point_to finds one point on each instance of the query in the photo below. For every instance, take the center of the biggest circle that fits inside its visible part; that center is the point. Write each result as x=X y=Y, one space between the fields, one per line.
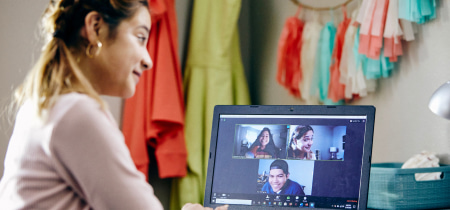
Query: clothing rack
x=297 y=2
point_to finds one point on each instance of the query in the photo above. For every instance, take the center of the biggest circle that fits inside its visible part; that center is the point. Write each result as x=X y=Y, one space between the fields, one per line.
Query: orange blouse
x=154 y=116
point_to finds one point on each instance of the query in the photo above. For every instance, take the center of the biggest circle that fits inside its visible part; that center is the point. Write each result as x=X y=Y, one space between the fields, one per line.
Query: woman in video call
x=263 y=146
x=301 y=143
x=66 y=150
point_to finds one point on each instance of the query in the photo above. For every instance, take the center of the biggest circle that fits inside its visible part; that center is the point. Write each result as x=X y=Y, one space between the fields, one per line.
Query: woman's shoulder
x=76 y=105
x=79 y=115
x=76 y=100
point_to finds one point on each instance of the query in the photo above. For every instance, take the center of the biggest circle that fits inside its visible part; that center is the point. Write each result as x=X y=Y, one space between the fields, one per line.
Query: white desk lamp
x=440 y=101
x=440 y=105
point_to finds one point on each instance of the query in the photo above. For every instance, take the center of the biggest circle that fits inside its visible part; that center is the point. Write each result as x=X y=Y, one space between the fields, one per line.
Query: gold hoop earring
x=67 y=82
x=89 y=48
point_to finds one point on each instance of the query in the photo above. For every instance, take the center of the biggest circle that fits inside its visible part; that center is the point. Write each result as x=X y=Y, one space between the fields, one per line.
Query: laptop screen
x=265 y=160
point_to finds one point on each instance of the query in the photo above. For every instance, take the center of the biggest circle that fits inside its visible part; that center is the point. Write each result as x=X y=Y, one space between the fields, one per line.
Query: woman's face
x=123 y=59
x=264 y=139
x=304 y=144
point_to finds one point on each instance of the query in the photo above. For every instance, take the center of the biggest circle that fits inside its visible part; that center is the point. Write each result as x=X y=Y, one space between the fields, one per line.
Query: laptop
x=290 y=157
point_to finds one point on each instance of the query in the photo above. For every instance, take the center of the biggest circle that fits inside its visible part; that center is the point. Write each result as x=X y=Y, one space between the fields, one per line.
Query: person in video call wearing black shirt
x=279 y=182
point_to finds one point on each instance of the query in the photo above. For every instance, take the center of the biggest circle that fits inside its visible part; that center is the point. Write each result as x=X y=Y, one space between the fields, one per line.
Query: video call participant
x=279 y=182
x=263 y=146
x=301 y=143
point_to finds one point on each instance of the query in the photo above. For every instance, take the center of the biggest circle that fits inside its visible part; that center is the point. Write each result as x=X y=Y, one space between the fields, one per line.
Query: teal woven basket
x=391 y=187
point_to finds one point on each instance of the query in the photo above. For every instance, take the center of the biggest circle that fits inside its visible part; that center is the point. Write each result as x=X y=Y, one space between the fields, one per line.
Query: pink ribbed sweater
x=76 y=159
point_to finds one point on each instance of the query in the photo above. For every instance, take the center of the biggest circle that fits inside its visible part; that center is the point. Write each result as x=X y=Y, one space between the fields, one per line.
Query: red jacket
x=155 y=114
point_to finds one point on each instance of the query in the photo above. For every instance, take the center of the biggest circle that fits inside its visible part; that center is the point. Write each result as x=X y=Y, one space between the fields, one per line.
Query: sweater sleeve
x=91 y=156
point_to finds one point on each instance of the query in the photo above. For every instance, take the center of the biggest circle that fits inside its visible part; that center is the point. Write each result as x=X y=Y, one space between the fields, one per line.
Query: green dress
x=214 y=75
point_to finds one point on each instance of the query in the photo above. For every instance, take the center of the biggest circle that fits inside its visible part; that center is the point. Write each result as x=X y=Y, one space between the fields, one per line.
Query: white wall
x=19 y=47
x=404 y=126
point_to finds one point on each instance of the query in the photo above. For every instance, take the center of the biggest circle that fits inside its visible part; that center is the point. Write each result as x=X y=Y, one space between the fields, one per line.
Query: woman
x=264 y=146
x=301 y=143
x=66 y=151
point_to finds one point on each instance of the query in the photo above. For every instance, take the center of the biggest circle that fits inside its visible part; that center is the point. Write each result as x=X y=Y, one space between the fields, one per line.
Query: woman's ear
x=93 y=22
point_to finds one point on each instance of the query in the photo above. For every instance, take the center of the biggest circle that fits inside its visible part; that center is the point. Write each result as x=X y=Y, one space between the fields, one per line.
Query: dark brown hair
x=66 y=17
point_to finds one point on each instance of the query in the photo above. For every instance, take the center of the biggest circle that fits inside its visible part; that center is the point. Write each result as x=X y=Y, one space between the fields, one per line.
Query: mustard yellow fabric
x=214 y=75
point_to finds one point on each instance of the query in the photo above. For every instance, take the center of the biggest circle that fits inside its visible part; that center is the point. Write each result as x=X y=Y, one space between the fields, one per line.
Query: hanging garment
x=150 y=117
x=418 y=11
x=289 y=73
x=213 y=75
x=310 y=40
x=321 y=76
x=336 y=90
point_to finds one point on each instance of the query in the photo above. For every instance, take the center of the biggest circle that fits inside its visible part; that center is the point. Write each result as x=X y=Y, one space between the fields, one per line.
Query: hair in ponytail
x=56 y=72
